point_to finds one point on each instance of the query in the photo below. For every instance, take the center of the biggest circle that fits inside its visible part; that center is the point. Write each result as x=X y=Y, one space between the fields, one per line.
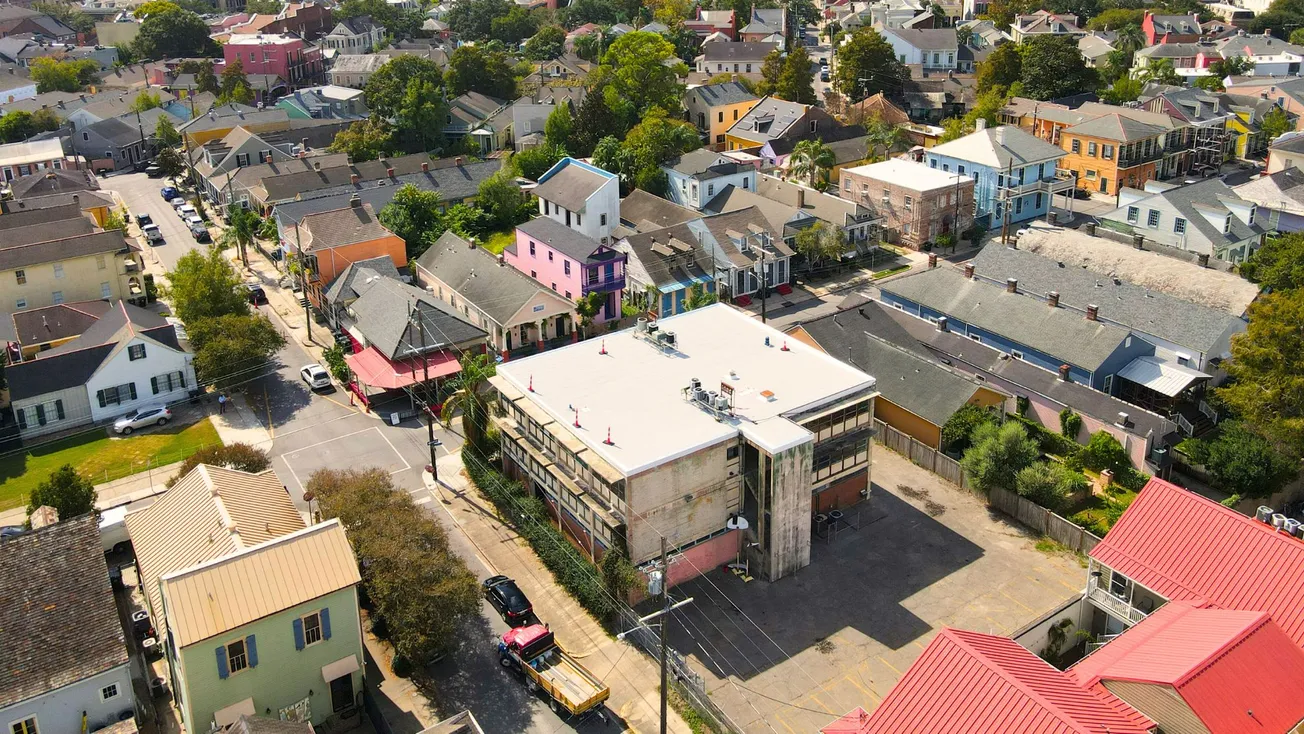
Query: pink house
x=289 y=57
x=570 y=263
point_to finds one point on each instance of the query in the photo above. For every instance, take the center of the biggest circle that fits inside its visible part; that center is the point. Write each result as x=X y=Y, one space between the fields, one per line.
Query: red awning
x=373 y=369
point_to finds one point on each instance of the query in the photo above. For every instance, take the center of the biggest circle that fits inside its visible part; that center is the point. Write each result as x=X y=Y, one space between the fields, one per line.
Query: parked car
x=142 y=219
x=185 y=211
x=152 y=233
x=824 y=75
x=257 y=296
x=140 y=418
x=11 y=531
x=503 y=594
x=200 y=233
x=153 y=171
x=316 y=376
x=193 y=220
x=177 y=202
x=169 y=193
x=1081 y=194
x=824 y=61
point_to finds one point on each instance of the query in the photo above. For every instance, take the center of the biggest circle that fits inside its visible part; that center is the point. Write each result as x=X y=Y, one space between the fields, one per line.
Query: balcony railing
x=1129 y=161
x=605 y=285
x=1062 y=181
x=1116 y=606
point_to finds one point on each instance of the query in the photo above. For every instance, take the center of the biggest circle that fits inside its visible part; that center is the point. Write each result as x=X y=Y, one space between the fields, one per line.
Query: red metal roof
x=373 y=369
x=852 y=722
x=971 y=682
x=1185 y=547
x=1223 y=663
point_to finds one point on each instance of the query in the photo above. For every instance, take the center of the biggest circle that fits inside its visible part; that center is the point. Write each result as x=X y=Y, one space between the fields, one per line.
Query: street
x=141 y=194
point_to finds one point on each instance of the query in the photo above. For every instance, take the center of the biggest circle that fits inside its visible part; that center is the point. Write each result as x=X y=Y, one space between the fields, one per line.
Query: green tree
x=640 y=71
x=364 y=140
x=959 y=428
x=242 y=226
x=387 y=88
x=68 y=492
x=413 y=215
x=227 y=347
x=884 y=138
x=1279 y=264
x=796 y=83
x=51 y=75
x=234 y=85
x=547 y=44
x=1242 y=462
x=1221 y=69
x=1296 y=36
x=1115 y=19
x=19 y=125
x=1267 y=369
x=688 y=45
x=472 y=20
x=68 y=14
x=579 y=12
x=147 y=101
x=987 y=107
x=173 y=32
x=867 y=65
x=153 y=7
x=115 y=220
x=421 y=117
x=166 y=133
x=1124 y=89
x=471 y=398
x=557 y=129
x=1050 y=484
x=953 y=128
x=1160 y=71
x=419 y=587
x=820 y=242
x=473 y=69
x=699 y=296
x=517 y=25
x=263 y=7
x=503 y=202
x=771 y=69
x=170 y=162
x=237 y=456
x=998 y=454
x=203 y=285
x=811 y=160
x=590 y=47
x=1002 y=68
x=593 y=121
x=466 y=221
x=532 y=163
x=1003 y=12
x=1102 y=452
x=1274 y=124
x=205 y=79
x=1053 y=67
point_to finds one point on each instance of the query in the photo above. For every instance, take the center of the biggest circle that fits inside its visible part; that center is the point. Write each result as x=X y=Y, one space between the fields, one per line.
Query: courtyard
x=792 y=655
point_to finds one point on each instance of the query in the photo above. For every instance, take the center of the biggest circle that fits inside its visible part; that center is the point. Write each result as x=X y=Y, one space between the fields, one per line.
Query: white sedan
x=316 y=376
x=141 y=418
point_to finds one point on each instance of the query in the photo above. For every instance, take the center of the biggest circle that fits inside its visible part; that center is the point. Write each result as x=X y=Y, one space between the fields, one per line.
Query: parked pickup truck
x=533 y=651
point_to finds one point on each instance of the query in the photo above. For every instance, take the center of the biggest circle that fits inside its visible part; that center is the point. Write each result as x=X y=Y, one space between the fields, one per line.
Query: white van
x=113 y=529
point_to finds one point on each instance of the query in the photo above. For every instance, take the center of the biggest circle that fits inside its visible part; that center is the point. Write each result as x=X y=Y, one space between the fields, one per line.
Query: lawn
x=498 y=241
x=99 y=457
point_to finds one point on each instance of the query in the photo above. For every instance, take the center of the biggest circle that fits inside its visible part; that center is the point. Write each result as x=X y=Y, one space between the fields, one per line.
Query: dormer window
x=1227 y=224
x=1253 y=209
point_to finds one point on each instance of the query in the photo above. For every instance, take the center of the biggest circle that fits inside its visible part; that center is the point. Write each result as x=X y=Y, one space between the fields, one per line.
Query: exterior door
x=1104 y=186
x=342 y=693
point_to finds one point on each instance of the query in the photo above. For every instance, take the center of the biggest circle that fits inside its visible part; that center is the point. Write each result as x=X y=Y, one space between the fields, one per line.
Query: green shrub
x=1070 y=424
x=1048 y=441
x=997 y=455
x=958 y=429
x=1050 y=485
x=1103 y=452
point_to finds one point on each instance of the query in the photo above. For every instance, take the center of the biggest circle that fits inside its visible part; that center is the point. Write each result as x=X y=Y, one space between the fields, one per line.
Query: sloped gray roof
x=52 y=323
x=561 y=238
x=342 y=287
x=61 y=249
x=1209 y=193
x=1116 y=127
x=737 y=50
x=1058 y=332
x=769 y=119
x=664 y=269
x=1181 y=322
x=640 y=209
x=722 y=94
x=454 y=183
x=347 y=226
x=475 y=274
x=571 y=186
x=383 y=313
x=926 y=39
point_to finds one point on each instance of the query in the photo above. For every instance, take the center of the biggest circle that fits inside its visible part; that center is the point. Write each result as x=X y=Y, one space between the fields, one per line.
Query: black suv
x=507 y=598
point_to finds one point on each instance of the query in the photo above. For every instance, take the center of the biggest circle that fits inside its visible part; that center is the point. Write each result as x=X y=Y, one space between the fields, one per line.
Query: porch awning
x=373 y=369
x=1165 y=378
x=229 y=715
x=340 y=668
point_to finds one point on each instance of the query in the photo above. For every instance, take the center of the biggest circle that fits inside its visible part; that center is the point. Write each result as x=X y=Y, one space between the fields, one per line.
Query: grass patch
x=499 y=241
x=1098 y=513
x=891 y=271
x=697 y=722
x=1052 y=547
x=100 y=458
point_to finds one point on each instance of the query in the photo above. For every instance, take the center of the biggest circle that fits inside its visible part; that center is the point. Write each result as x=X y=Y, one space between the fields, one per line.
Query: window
x=109 y=691
x=1038 y=201
x=721 y=118
x=1077 y=145
x=100 y=264
x=21 y=303
x=86 y=136
x=135 y=352
x=531 y=249
x=56 y=296
x=168 y=382
x=1118 y=584
x=1091 y=149
x=577 y=219
x=1227 y=224
x=1179 y=225
x=933 y=163
x=1016 y=354
x=710 y=189
x=910 y=200
x=58 y=270
x=568 y=295
x=1253 y=209
x=312 y=629
x=602 y=220
x=549 y=255
x=1107 y=152
x=1091 y=173
x=26 y=726
x=814 y=125
x=1133 y=215
x=959 y=170
x=1152 y=218
x=21 y=275
x=237 y=658
x=976 y=338
x=534 y=274
x=735 y=114
x=554 y=286
x=116 y=395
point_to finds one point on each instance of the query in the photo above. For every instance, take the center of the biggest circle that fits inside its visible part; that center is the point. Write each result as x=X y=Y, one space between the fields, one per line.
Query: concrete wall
x=1035 y=636
x=60 y=711
x=283 y=675
x=657 y=502
x=789 y=542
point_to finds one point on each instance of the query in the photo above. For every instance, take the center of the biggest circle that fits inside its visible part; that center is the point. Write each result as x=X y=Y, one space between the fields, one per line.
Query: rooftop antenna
x=609 y=441
x=531 y=385
x=603 y=350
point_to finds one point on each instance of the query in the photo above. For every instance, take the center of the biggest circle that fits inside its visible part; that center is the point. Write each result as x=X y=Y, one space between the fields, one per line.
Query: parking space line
x=425 y=500
x=863 y=689
x=347 y=435
x=294 y=474
x=406 y=465
x=1016 y=601
x=884 y=661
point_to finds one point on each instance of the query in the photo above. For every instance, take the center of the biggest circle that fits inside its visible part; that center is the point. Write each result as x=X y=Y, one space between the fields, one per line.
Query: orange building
x=333 y=240
x=1110 y=146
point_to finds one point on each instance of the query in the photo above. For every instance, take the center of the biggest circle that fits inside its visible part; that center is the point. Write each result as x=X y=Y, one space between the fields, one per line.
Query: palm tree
x=240 y=231
x=1130 y=39
x=470 y=398
x=811 y=159
x=883 y=135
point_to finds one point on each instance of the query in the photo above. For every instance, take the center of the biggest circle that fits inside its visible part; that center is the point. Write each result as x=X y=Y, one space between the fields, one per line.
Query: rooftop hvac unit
x=651 y=327
x=722 y=402
x=1299 y=531
x=1292 y=526
x=694 y=383
x=699 y=394
x=1263 y=514
x=670 y=338
x=712 y=397
x=1278 y=520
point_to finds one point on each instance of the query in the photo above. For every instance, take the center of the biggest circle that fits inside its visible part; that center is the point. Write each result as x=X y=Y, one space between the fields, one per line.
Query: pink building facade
x=288 y=57
x=569 y=263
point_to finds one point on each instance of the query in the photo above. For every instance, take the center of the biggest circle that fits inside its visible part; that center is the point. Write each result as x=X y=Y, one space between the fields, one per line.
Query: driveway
x=793 y=655
x=141 y=194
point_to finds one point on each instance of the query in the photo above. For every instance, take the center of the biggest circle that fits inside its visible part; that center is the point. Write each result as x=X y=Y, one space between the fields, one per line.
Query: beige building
x=47 y=263
x=917 y=203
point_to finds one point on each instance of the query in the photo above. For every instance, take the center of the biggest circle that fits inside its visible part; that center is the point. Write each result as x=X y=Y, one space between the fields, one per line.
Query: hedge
x=1050 y=442
x=531 y=520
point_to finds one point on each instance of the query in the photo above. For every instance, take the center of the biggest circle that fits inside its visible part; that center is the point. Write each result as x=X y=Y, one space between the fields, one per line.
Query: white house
x=125 y=359
x=936 y=49
x=695 y=178
x=581 y=196
x=354 y=36
x=1271 y=56
x=1206 y=218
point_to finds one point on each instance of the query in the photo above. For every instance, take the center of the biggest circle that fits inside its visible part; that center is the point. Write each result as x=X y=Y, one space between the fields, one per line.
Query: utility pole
x=303 y=283
x=429 y=404
x=665 y=627
x=1005 y=205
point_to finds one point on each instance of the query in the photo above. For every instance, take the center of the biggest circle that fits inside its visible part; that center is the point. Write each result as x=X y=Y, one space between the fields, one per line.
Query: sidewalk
x=635 y=680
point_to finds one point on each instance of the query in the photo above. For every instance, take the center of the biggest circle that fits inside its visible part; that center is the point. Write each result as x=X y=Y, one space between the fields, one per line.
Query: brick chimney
x=354 y=178
x=968 y=271
x=1092 y=312
x=1052 y=299
x=801 y=198
x=389 y=172
x=44 y=516
x=1011 y=285
x=942 y=324
x=459 y=161
x=932 y=260
x=425 y=166
x=1064 y=372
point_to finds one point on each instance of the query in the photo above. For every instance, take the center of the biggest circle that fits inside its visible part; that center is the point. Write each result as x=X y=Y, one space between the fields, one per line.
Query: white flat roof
x=635 y=389
x=909 y=174
x=37 y=151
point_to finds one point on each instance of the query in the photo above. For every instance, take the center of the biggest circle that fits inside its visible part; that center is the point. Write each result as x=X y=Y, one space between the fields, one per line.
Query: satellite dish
x=736 y=522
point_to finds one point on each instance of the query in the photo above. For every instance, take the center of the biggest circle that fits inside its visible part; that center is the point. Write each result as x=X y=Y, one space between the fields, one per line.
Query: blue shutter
x=58 y=408
x=298 y=633
x=222 y=671
x=251 y=649
x=325 y=624
x=99 y=394
x=22 y=418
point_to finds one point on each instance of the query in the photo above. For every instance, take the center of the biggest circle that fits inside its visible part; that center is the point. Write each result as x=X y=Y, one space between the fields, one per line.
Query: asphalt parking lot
x=795 y=654
x=368 y=447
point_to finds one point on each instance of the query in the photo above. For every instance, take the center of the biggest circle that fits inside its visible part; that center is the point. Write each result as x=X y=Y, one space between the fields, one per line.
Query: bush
x=1070 y=424
x=958 y=429
x=997 y=455
x=1241 y=462
x=1099 y=521
x=530 y=518
x=238 y=456
x=1050 y=485
x=334 y=358
x=1103 y=452
x=1048 y=441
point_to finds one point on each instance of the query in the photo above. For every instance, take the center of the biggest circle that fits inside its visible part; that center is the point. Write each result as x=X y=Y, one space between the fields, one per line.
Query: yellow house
x=1244 y=125
x=917 y=395
x=714 y=108
x=65 y=262
x=221 y=120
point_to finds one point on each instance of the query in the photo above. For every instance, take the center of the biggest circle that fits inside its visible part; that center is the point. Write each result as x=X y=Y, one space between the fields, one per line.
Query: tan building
x=49 y=263
x=714 y=108
x=916 y=203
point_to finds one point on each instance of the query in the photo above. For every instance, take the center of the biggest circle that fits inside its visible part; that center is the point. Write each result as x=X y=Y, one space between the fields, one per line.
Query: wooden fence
x=1040 y=519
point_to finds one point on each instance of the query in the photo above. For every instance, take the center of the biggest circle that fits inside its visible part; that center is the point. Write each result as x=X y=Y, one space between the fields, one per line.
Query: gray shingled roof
x=58 y=622
x=722 y=94
x=1062 y=334
x=383 y=314
x=46 y=231
x=454 y=183
x=52 y=181
x=561 y=238
x=769 y=119
x=1116 y=127
x=342 y=287
x=640 y=209
x=62 y=249
x=1181 y=322
x=737 y=51
x=570 y=187
x=347 y=226
x=475 y=274
x=920 y=385
x=52 y=323
x=663 y=269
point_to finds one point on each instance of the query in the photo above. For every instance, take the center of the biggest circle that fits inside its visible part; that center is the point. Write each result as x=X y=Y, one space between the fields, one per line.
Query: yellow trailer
x=535 y=653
